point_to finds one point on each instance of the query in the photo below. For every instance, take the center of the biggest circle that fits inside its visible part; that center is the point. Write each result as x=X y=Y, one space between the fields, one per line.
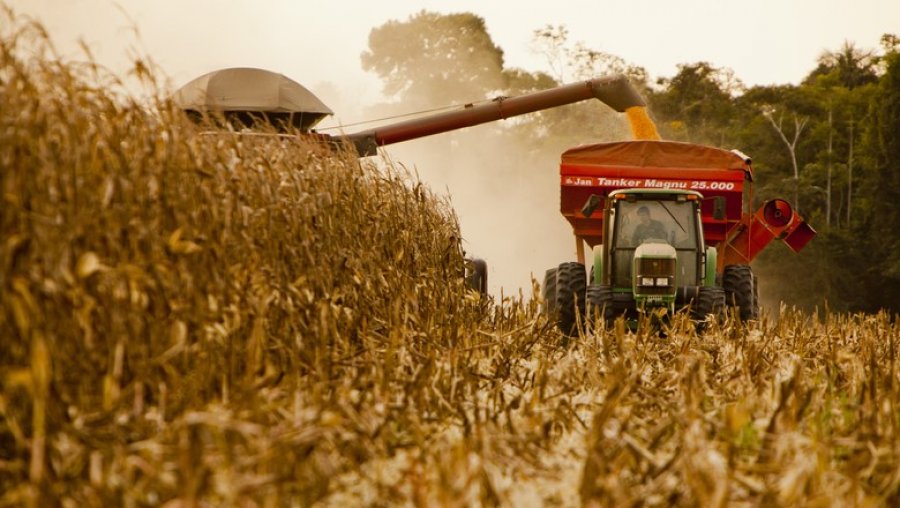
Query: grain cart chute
x=614 y=91
x=670 y=224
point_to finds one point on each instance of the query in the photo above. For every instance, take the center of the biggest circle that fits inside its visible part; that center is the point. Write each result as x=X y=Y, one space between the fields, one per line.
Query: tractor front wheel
x=563 y=293
x=740 y=291
x=570 y=291
x=599 y=300
x=709 y=301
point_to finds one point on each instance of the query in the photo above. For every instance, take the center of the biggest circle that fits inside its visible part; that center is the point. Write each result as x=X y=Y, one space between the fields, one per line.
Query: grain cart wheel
x=599 y=300
x=570 y=293
x=756 y=294
x=548 y=292
x=738 y=282
x=709 y=301
x=477 y=275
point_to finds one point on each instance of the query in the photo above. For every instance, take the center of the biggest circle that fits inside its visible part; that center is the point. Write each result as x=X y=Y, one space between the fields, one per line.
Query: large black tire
x=710 y=301
x=740 y=291
x=756 y=294
x=548 y=292
x=477 y=275
x=599 y=299
x=570 y=296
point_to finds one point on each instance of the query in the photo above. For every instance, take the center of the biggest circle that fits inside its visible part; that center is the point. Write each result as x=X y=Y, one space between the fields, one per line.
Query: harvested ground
x=195 y=319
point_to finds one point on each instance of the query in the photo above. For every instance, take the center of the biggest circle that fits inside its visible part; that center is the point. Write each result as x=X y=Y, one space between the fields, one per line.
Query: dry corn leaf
x=736 y=416
x=19 y=378
x=88 y=264
x=178 y=246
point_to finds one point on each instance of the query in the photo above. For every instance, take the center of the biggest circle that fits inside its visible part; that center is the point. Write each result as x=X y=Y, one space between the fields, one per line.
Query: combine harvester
x=670 y=224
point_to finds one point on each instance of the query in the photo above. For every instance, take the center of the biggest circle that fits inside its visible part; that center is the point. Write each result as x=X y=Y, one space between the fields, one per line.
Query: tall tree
x=852 y=66
x=883 y=142
x=697 y=103
x=790 y=136
x=787 y=111
x=570 y=61
x=434 y=59
x=890 y=43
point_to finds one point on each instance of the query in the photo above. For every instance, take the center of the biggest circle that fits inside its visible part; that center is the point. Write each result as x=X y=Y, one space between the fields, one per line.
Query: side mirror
x=590 y=205
x=719 y=208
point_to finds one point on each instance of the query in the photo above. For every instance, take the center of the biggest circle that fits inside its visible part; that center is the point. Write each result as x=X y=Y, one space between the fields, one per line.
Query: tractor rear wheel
x=740 y=290
x=709 y=301
x=570 y=293
x=599 y=300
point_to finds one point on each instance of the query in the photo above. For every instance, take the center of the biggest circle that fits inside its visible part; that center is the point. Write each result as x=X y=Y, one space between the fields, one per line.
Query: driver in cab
x=647 y=227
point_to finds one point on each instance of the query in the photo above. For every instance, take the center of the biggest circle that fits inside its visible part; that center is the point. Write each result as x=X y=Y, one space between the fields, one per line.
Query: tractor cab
x=655 y=249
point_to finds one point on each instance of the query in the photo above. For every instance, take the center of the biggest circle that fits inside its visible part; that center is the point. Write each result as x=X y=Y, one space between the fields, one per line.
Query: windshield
x=667 y=221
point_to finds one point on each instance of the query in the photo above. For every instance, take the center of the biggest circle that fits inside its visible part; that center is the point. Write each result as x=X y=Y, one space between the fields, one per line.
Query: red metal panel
x=578 y=183
x=610 y=172
x=603 y=168
x=774 y=219
x=800 y=236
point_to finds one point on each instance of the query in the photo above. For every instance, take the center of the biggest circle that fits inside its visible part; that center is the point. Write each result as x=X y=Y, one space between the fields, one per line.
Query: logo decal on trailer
x=650 y=183
x=579 y=181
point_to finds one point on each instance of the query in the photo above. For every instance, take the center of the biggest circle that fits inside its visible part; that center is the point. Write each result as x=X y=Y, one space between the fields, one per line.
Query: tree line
x=830 y=144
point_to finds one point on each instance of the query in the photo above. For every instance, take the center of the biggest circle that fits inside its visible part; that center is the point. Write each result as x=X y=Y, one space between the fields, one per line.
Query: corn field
x=195 y=319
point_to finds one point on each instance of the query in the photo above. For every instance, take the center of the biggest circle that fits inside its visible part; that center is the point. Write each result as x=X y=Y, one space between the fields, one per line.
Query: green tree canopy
x=883 y=143
x=434 y=59
x=851 y=66
x=696 y=103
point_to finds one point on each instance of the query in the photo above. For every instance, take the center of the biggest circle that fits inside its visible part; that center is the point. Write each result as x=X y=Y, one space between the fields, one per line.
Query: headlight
x=646 y=281
x=662 y=281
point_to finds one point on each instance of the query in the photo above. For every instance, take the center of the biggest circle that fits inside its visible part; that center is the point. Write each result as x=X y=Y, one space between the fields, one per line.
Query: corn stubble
x=221 y=320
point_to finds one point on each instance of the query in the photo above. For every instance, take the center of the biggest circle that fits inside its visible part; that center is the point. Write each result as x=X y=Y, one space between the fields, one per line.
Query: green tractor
x=655 y=261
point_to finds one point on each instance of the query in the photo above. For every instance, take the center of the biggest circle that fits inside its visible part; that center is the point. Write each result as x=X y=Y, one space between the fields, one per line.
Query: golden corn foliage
x=223 y=320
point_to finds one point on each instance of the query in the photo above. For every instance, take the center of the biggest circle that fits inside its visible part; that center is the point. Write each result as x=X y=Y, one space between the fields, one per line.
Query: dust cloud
x=503 y=182
x=502 y=178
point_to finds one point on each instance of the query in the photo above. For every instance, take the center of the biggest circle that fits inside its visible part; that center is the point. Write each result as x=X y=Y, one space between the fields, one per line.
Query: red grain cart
x=700 y=256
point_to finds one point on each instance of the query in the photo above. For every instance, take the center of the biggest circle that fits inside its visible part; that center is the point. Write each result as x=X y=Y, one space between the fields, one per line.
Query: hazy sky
x=314 y=42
